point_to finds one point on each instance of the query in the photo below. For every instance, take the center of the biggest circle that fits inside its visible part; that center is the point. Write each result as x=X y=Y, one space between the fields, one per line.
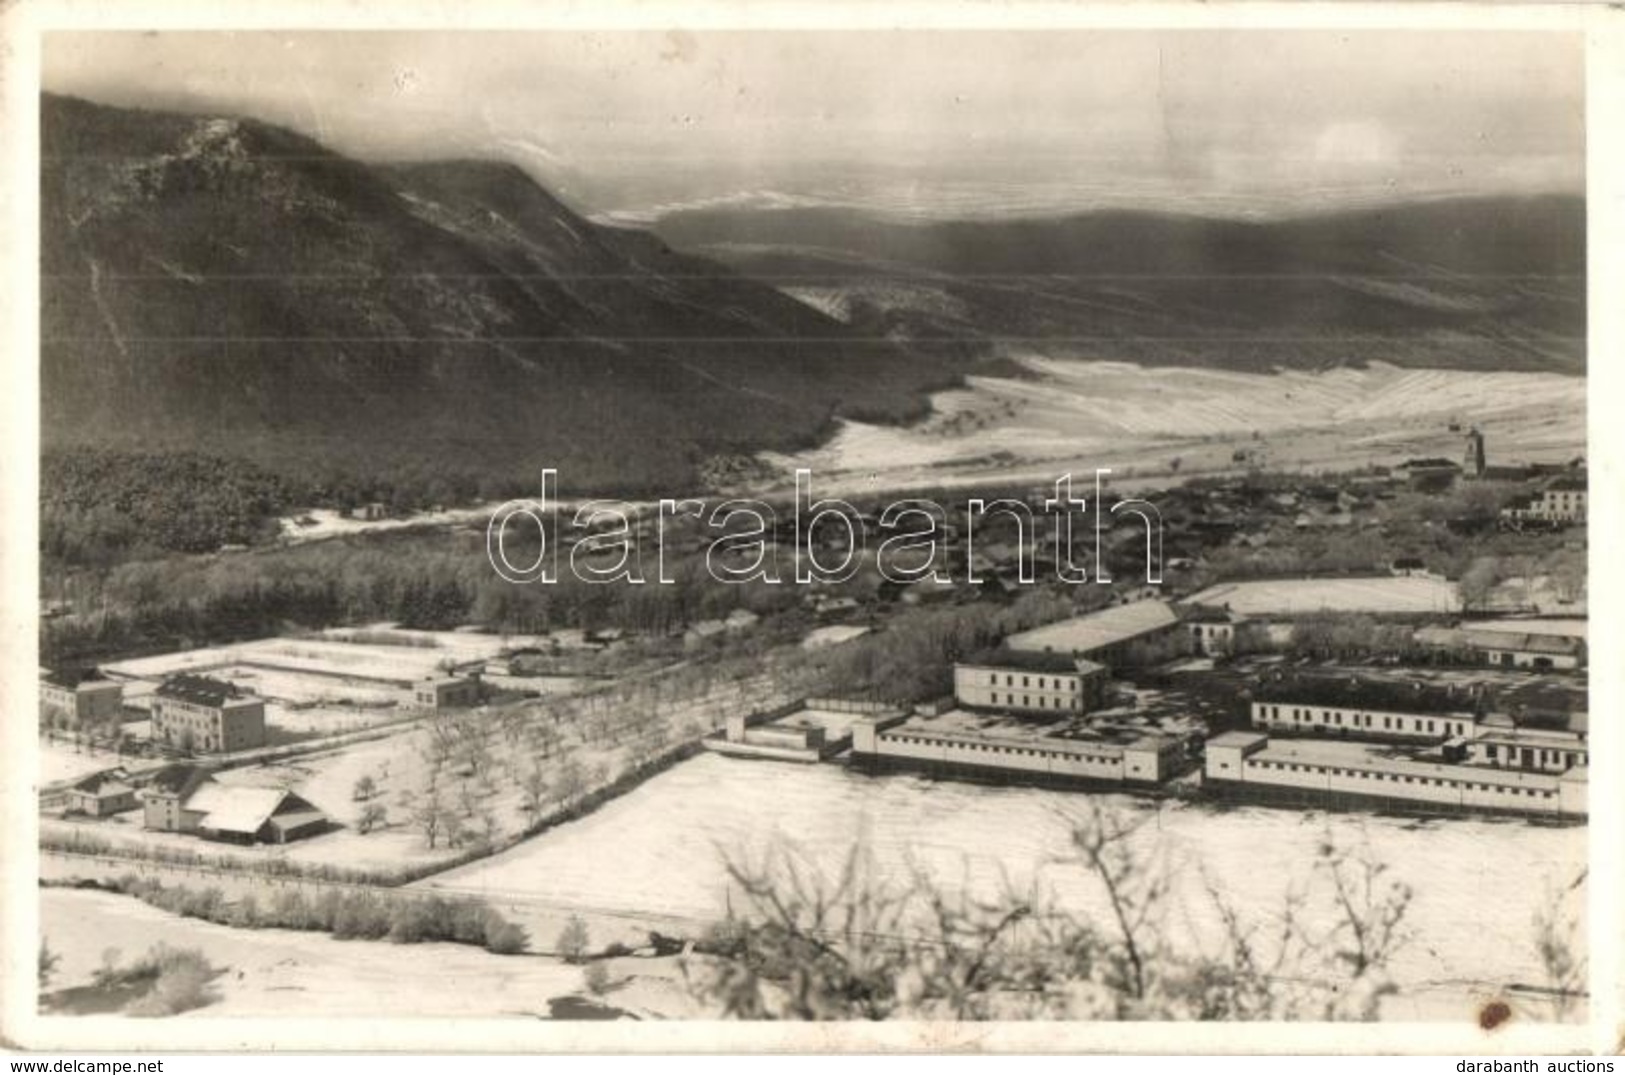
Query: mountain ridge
x=225 y=283
x=1493 y=282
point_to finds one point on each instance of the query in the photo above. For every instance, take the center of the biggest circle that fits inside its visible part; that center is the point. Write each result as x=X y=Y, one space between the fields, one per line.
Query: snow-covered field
x=290 y=974
x=1076 y=414
x=660 y=849
x=1569 y=627
x=1382 y=593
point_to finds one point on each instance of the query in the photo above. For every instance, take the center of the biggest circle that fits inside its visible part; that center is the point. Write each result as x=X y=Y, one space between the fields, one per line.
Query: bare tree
x=1561 y=955
x=856 y=946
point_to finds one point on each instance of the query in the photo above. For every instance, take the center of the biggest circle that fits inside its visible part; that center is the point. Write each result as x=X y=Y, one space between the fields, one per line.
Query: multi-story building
x=1030 y=682
x=207 y=715
x=164 y=795
x=1563 y=500
x=79 y=700
x=1213 y=631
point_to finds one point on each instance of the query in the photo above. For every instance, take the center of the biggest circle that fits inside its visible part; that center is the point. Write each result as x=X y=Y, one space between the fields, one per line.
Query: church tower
x=1473 y=464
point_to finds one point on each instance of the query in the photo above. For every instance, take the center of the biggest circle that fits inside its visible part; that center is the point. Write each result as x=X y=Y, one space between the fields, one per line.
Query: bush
x=48 y=961
x=503 y=937
x=180 y=981
x=245 y=914
x=597 y=978
x=360 y=914
x=413 y=921
x=573 y=940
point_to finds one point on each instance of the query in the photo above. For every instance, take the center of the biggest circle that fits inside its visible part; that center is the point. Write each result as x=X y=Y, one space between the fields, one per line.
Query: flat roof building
x=1331 y=774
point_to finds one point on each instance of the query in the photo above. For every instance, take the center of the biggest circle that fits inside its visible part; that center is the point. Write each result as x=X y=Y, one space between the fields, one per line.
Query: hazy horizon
x=629 y=125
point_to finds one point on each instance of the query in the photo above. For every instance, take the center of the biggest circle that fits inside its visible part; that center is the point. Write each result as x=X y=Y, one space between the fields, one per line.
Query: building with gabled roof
x=1102 y=636
x=1533 y=649
x=163 y=795
x=187 y=798
x=248 y=815
x=102 y=794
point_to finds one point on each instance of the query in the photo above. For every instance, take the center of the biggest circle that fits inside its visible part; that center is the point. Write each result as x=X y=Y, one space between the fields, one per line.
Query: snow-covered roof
x=235 y=809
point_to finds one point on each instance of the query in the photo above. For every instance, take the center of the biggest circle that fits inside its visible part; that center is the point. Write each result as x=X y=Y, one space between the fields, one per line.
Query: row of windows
x=1363 y=774
x=1044 y=701
x=1334 y=717
x=1536 y=756
x=1060 y=683
x=988 y=748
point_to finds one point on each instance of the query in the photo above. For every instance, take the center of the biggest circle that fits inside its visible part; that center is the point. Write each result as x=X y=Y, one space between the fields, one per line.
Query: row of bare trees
x=865 y=944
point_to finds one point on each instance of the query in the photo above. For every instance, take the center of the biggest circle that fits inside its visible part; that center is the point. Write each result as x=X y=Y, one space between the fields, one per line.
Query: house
x=1428 y=475
x=1030 y=682
x=1407 y=565
x=933 y=588
x=371 y=512
x=741 y=619
x=703 y=631
x=163 y=796
x=835 y=606
x=203 y=714
x=445 y=692
x=1213 y=630
x=1104 y=636
x=102 y=794
x=82 y=699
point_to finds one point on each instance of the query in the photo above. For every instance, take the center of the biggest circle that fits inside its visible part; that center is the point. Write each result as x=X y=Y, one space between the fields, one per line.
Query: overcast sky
x=924 y=121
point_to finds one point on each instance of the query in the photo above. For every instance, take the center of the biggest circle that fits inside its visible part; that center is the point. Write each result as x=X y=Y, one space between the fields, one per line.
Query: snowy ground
x=64 y=760
x=660 y=850
x=1074 y=415
x=1570 y=628
x=295 y=974
x=1407 y=593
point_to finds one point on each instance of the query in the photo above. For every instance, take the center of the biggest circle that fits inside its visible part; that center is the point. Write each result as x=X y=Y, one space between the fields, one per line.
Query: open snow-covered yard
x=660 y=849
x=1378 y=593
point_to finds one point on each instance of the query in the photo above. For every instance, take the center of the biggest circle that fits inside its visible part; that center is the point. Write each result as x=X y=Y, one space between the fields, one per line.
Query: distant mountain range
x=228 y=284
x=1475 y=283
